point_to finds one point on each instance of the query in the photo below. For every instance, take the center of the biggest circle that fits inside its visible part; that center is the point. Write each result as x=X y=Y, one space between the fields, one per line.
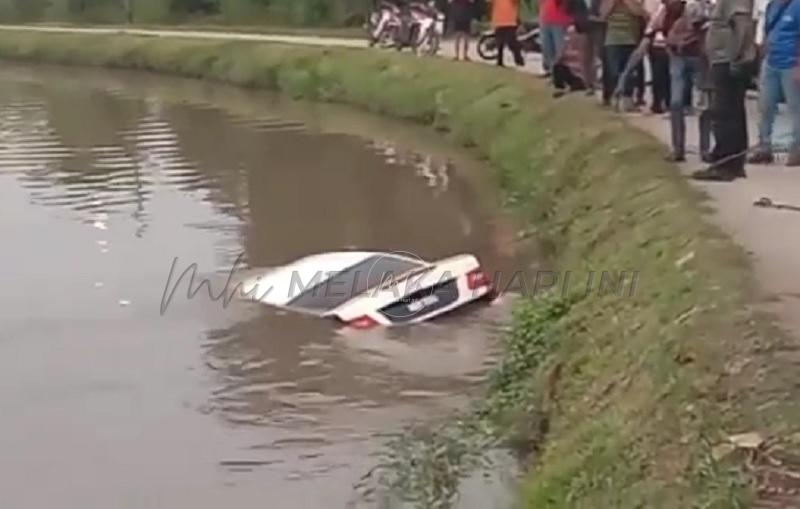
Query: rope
x=778 y=149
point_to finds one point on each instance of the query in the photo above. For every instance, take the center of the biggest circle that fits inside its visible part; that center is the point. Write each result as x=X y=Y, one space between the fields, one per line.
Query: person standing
x=594 y=30
x=685 y=67
x=623 y=25
x=731 y=53
x=505 y=18
x=702 y=10
x=640 y=84
x=659 y=59
x=554 y=21
x=780 y=75
x=462 y=12
x=705 y=118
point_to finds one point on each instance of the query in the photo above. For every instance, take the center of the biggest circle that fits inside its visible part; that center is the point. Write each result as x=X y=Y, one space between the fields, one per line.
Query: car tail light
x=478 y=279
x=362 y=323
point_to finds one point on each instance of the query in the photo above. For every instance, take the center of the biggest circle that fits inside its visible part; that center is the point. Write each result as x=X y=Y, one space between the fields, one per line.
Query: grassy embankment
x=205 y=26
x=626 y=398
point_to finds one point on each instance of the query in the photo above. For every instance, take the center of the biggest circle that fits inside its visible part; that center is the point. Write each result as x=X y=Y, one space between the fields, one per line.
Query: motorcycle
x=429 y=27
x=419 y=27
x=382 y=25
x=528 y=35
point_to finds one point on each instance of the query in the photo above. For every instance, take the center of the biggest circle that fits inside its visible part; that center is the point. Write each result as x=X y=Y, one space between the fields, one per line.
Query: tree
x=297 y=12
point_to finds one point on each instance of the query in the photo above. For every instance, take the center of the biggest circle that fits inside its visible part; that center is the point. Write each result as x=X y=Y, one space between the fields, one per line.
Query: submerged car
x=363 y=289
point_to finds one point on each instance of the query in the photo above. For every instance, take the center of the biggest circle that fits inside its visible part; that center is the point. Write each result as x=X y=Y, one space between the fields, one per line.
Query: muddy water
x=106 y=181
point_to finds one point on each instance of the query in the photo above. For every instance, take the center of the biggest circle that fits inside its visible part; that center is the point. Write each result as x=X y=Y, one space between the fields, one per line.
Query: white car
x=364 y=289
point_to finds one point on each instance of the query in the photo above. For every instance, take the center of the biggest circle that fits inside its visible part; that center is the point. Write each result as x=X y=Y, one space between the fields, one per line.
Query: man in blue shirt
x=780 y=76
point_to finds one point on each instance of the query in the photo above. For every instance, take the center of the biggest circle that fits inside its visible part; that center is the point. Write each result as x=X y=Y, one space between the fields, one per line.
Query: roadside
x=770 y=236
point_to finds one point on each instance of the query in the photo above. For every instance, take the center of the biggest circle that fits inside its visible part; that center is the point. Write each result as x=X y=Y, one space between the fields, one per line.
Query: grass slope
x=203 y=25
x=626 y=398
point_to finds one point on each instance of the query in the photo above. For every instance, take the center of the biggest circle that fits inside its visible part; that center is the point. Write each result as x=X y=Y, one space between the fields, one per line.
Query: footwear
x=762 y=156
x=674 y=157
x=794 y=158
x=558 y=93
x=719 y=174
x=706 y=157
x=657 y=110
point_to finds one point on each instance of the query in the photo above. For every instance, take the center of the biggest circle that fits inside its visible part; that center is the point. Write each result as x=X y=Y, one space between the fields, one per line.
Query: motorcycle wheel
x=487 y=47
x=385 y=39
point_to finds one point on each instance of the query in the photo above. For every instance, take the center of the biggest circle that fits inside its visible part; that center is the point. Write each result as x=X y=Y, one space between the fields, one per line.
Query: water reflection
x=150 y=176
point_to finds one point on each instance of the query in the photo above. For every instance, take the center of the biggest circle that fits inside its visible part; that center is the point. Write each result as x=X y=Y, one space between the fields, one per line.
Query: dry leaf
x=747 y=440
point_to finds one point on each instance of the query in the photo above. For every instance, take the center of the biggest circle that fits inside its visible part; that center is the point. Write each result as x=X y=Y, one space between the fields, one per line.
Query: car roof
x=353 y=281
x=320 y=282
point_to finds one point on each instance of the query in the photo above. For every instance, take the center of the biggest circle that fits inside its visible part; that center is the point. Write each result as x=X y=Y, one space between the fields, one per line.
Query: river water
x=107 y=180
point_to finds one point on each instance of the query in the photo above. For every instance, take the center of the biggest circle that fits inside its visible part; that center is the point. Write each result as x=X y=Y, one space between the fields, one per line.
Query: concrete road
x=771 y=236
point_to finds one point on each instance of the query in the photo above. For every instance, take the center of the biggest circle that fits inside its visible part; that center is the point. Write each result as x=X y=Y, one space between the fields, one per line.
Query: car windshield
x=352 y=282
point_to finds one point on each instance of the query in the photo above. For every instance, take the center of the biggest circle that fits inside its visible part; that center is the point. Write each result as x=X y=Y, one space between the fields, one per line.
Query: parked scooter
x=429 y=23
x=418 y=26
x=527 y=35
x=383 y=24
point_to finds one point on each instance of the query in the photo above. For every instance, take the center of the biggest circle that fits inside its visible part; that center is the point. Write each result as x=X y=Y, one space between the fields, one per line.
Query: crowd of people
x=701 y=53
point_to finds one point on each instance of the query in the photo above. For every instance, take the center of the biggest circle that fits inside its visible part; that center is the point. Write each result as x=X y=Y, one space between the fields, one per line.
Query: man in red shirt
x=554 y=21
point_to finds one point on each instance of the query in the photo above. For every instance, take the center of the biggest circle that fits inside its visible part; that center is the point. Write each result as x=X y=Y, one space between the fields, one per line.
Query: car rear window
x=351 y=282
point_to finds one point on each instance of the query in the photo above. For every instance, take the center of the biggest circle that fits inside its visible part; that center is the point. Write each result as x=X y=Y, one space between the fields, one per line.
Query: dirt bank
x=637 y=393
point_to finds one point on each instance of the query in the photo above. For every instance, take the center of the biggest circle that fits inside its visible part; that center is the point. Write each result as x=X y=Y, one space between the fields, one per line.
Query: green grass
x=622 y=398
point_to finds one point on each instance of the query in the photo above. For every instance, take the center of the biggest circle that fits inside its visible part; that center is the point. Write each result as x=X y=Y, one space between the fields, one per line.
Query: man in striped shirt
x=624 y=22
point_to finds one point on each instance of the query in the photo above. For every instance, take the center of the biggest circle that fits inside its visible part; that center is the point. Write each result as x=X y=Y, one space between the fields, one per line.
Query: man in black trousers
x=731 y=51
x=505 y=18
